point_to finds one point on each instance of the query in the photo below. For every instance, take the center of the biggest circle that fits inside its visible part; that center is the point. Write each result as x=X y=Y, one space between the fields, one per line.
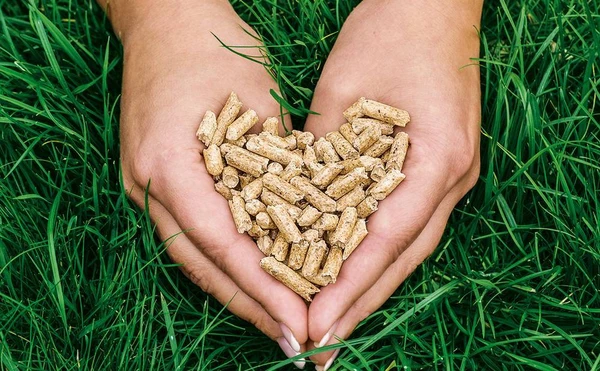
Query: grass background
x=513 y=285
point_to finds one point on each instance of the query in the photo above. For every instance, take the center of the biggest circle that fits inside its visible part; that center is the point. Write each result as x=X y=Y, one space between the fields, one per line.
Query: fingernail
x=329 y=362
x=290 y=352
x=327 y=336
x=287 y=333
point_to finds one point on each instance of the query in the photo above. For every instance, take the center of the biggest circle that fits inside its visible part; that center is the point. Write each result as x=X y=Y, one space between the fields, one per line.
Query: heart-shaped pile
x=305 y=202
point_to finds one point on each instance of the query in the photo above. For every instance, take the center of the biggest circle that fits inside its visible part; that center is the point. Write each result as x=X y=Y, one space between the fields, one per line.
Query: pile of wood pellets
x=305 y=201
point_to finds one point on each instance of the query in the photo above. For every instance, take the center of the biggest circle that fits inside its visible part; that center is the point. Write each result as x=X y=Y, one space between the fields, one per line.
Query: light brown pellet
x=207 y=128
x=275 y=140
x=311 y=235
x=358 y=234
x=310 y=155
x=333 y=264
x=245 y=163
x=240 y=215
x=254 y=206
x=271 y=199
x=223 y=190
x=280 y=248
x=238 y=143
x=298 y=254
x=304 y=138
x=341 y=145
x=385 y=113
x=271 y=126
x=316 y=252
x=367 y=207
x=256 y=231
x=343 y=230
x=213 y=160
x=284 y=223
x=252 y=190
x=398 y=152
x=367 y=138
x=264 y=221
x=265 y=149
x=314 y=168
x=369 y=162
x=241 y=125
x=350 y=165
x=325 y=151
x=282 y=188
x=387 y=184
x=322 y=178
x=319 y=280
x=309 y=216
x=265 y=244
x=275 y=168
x=292 y=144
x=355 y=110
x=383 y=144
x=346 y=183
x=226 y=117
x=360 y=124
x=313 y=195
x=230 y=177
x=293 y=169
x=327 y=222
x=378 y=173
x=351 y=199
x=348 y=133
x=289 y=278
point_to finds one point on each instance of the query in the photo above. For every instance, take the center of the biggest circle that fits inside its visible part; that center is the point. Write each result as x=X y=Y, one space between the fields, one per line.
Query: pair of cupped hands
x=415 y=55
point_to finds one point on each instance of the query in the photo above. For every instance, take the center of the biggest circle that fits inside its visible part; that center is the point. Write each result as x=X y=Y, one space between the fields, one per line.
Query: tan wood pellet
x=282 y=188
x=207 y=128
x=238 y=143
x=358 y=234
x=297 y=254
x=325 y=151
x=351 y=199
x=327 y=222
x=275 y=140
x=333 y=264
x=355 y=110
x=310 y=155
x=313 y=195
x=227 y=115
x=275 y=168
x=309 y=216
x=378 y=173
x=264 y=221
x=271 y=126
x=242 y=220
x=346 y=183
x=213 y=160
x=271 y=199
x=284 y=223
x=348 y=133
x=385 y=113
x=343 y=148
x=314 y=168
x=367 y=138
x=318 y=279
x=304 y=139
x=280 y=247
x=311 y=235
x=246 y=179
x=380 y=147
x=367 y=207
x=293 y=169
x=265 y=244
x=387 y=184
x=254 y=206
x=251 y=190
x=241 y=125
x=323 y=177
x=343 y=230
x=289 y=278
x=398 y=152
x=314 y=256
x=360 y=124
x=256 y=231
x=265 y=149
x=230 y=176
x=247 y=164
x=292 y=143
x=350 y=165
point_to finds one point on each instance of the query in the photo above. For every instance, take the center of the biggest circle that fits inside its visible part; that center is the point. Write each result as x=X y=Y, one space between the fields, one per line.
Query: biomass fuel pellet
x=387 y=184
x=358 y=234
x=288 y=277
x=207 y=128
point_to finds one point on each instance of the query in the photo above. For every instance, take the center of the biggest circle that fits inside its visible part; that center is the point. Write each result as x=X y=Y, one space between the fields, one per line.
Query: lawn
x=514 y=284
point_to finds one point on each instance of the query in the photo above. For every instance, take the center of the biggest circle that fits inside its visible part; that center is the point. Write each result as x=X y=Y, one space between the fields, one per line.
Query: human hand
x=175 y=70
x=409 y=54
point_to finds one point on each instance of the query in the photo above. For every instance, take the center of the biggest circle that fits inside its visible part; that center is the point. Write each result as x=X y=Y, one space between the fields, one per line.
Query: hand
x=174 y=71
x=415 y=56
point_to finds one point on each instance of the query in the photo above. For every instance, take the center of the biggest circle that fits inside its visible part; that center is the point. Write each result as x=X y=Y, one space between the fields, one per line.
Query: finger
x=393 y=277
x=187 y=191
x=203 y=272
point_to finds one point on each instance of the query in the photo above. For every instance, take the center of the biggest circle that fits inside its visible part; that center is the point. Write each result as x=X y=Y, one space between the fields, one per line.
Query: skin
x=410 y=54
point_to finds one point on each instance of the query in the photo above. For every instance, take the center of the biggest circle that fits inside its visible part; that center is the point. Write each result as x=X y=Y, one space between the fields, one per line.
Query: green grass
x=514 y=284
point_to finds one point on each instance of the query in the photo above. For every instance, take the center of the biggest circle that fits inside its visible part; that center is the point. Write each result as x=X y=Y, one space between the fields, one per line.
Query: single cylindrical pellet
x=367 y=138
x=346 y=183
x=275 y=140
x=327 y=222
x=240 y=215
x=318 y=279
x=293 y=169
x=325 y=151
x=305 y=138
x=313 y=195
x=282 y=188
x=265 y=244
x=265 y=149
x=254 y=206
x=369 y=162
x=327 y=174
x=230 y=176
x=271 y=199
x=226 y=147
x=360 y=124
x=310 y=155
x=271 y=126
x=351 y=199
x=252 y=190
x=314 y=168
x=223 y=190
x=343 y=230
x=314 y=257
x=256 y=231
x=348 y=133
x=358 y=234
x=247 y=164
x=292 y=144
x=385 y=113
x=226 y=117
x=378 y=173
x=355 y=110
x=280 y=247
x=284 y=223
x=341 y=145
x=383 y=144
x=309 y=216
x=207 y=128
x=297 y=254
x=240 y=142
x=241 y=125
x=311 y=235
x=275 y=168
x=333 y=264
x=367 y=207
x=398 y=152
x=289 y=278
x=350 y=165
x=387 y=184
x=264 y=221
x=213 y=160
